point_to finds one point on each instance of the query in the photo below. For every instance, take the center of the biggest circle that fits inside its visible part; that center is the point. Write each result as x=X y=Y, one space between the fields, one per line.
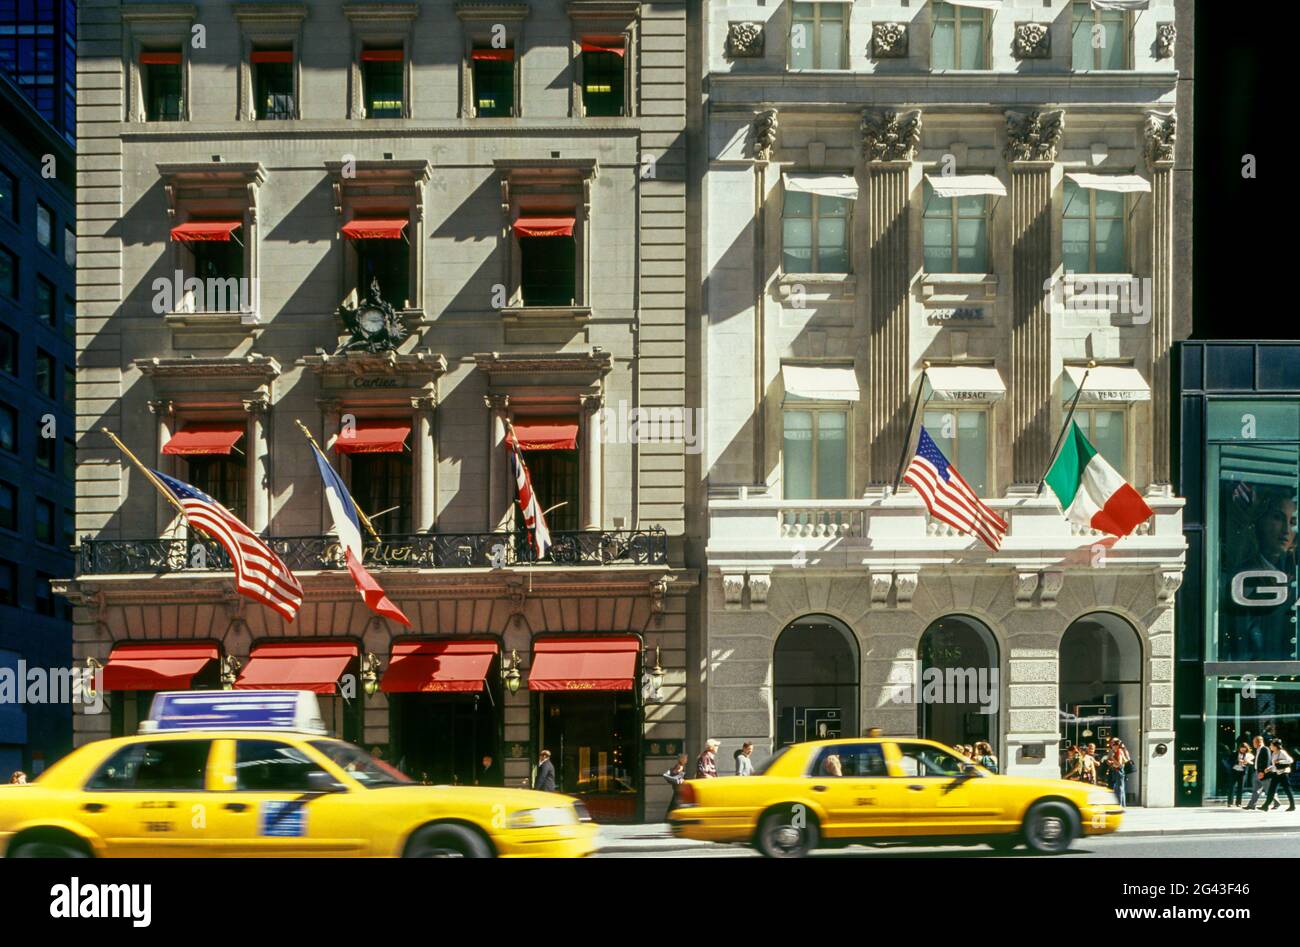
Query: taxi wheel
x=46 y=849
x=1050 y=827
x=446 y=841
x=782 y=835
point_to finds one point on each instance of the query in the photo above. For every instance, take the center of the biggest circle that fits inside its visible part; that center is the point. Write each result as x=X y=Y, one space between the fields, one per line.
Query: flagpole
x=149 y=475
x=1069 y=416
x=911 y=424
x=360 y=513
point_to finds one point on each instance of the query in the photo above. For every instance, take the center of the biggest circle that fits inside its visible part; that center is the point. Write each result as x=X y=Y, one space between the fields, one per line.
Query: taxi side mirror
x=969 y=769
x=320 y=781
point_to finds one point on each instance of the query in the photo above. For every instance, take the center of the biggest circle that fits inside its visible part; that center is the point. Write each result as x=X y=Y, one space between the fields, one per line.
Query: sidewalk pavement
x=1212 y=819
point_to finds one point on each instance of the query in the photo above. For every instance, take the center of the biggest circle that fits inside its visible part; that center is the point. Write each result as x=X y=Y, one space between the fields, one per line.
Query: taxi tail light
x=686 y=794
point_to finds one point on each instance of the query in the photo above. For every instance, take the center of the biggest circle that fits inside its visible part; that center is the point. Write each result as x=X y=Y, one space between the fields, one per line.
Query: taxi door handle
x=819 y=789
x=915 y=787
x=235 y=806
x=94 y=807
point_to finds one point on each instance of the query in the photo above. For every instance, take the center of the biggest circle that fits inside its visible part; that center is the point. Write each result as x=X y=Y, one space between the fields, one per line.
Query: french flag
x=348 y=526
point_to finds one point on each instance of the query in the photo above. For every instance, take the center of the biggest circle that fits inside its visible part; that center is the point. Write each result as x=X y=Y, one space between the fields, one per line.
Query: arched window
x=815 y=675
x=958 y=694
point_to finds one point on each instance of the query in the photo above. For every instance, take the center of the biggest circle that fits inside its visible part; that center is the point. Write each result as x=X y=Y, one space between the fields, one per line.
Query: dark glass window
x=69 y=460
x=268 y=766
x=44 y=521
x=45 y=448
x=273 y=75
x=45 y=373
x=8 y=429
x=217 y=259
x=44 y=226
x=8 y=351
x=8 y=583
x=1230 y=367
x=70 y=389
x=170 y=766
x=69 y=320
x=44 y=594
x=548 y=270
x=8 y=274
x=555 y=478
x=162 y=86
x=388 y=261
x=69 y=247
x=381 y=485
x=1279 y=367
x=494 y=82
x=382 y=83
x=224 y=477
x=8 y=196
x=69 y=528
x=8 y=506
x=602 y=82
x=852 y=760
x=45 y=301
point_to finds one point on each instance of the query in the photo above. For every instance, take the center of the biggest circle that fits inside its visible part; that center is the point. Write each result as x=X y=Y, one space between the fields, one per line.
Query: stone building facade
x=513 y=175
x=996 y=196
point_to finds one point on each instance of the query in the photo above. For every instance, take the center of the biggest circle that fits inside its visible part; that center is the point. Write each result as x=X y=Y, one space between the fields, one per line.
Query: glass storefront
x=815 y=672
x=594 y=738
x=1239 y=708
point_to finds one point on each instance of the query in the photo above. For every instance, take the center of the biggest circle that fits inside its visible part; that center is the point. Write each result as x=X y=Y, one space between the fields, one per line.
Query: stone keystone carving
x=1035 y=135
x=745 y=40
x=1166 y=36
x=1032 y=41
x=889 y=40
x=765 y=126
x=890 y=135
x=1161 y=134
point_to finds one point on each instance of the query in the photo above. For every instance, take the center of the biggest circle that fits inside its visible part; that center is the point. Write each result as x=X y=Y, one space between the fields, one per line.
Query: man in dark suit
x=544 y=781
x=1261 y=765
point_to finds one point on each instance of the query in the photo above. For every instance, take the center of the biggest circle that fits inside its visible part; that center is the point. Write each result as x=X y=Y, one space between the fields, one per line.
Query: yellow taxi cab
x=831 y=793
x=229 y=787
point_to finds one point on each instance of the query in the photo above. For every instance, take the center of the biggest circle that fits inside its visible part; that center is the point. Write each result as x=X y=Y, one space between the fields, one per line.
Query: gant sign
x=1270 y=588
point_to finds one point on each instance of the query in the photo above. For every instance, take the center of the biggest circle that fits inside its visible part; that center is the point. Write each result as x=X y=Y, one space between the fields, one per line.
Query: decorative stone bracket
x=733 y=589
x=745 y=40
x=903 y=583
x=765 y=129
x=1047 y=584
x=1166 y=37
x=1167 y=584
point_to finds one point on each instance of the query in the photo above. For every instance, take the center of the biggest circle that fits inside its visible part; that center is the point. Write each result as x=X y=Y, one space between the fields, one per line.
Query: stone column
x=165 y=412
x=426 y=464
x=889 y=144
x=1032 y=139
x=593 y=463
x=1161 y=131
x=258 y=459
x=499 y=486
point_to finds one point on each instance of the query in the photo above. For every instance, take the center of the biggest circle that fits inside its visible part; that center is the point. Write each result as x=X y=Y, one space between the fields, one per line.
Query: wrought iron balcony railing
x=420 y=551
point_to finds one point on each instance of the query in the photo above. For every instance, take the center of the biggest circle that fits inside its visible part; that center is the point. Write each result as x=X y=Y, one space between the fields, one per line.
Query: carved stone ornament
x=765 y=127
x=1161 y=134
x=890 y=135
x=733 y=587
x=1026 y=584
x=1032 y=41
x=880 y=585
x=1051 y=583
x=905 y=588
x=1166 y=36
x=1035 y=135
x=745 y=40
x=374 y=325
x=1167 y=585
x=889 y=40
x=759 y=585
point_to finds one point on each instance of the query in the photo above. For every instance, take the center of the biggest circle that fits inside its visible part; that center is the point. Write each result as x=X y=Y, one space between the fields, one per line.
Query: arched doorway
x=1101 y=686
x=815 y=677
x=958 y=695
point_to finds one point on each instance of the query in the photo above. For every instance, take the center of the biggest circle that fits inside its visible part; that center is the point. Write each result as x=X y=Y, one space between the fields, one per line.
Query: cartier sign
x=377 y=382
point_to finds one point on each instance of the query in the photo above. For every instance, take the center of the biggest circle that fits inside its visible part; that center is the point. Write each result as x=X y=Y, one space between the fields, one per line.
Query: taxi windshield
x=360 y=765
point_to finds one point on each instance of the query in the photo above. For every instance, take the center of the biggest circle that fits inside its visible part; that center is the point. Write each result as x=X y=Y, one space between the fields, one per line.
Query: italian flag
x=1090 y=491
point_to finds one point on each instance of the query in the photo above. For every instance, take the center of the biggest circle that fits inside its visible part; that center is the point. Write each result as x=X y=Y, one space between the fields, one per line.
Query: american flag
x=534 y=518
x=948 y=497
x=259 y=572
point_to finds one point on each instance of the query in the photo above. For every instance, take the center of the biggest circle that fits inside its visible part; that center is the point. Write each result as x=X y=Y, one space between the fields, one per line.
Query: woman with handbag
x=1121 y=765
x=1279 y=774
x=1241 y=770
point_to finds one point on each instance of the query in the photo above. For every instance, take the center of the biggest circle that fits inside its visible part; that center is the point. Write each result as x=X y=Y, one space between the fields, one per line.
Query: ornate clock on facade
x=374 y=325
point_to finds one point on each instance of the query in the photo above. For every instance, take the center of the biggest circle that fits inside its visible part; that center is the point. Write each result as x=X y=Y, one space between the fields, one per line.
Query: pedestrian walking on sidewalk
x=1257 y=774
x=1241 y=771
x=744 y=766
x=706 y=767
x=1279 y=774
x=1121 y=766
x=544 y=780
x=674 y=777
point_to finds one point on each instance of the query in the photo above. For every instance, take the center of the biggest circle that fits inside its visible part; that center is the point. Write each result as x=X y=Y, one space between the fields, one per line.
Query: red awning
x=160 y=58
x=375 y=228
x=272 y=55
x=584 y=664
x=214 y=437
x=198 y=230
x=374 y=437
x=493 y=55
x=603 y=44
x=381 y=55
x=544 y=226
x=156 y=667
x=297 y=666
x=438 y=666
x=545 y=434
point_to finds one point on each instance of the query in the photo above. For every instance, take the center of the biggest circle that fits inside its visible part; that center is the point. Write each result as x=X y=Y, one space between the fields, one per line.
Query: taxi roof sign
x=296 y=711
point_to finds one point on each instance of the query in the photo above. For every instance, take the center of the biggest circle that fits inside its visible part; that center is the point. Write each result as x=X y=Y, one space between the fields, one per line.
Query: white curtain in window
x=1119 y=383
x=1119 y=183
x=1121 y=5
x=965 y=185
x=827 y=185
x=821 y=382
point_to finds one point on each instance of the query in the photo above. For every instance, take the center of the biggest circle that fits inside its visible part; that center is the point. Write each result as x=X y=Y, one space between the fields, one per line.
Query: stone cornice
x=245 y=366
x=193 y=173
x=413 y=170
x=510 y=167
x=261 y=13
x=362 y=363
x=368 y=13
x=594 y=8
x=597 y=361
x=486 y=10
x=158 y=12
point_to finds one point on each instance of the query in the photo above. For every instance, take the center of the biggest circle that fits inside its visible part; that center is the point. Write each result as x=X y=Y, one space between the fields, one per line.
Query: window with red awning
x=374 y=437
x=197 y=231
x=260 y=56
x=603 y=44
x=381 y=55
x=300 y=665
x=491 y=54
x=548 y=226
x=435 y=666
x=375 y=228
x=584 y=664
x=160 y=58
x=212 y=437
x=156 y=667
x=545 y=434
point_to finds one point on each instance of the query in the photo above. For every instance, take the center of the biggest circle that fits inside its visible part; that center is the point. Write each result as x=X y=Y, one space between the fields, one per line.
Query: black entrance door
x=594 y=741
x=443 y=738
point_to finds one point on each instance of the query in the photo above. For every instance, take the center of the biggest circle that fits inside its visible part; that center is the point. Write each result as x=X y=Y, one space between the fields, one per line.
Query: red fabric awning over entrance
x=603 y=44
x=493 y=55
x=381 y=55
x=438 y=666
x=272 y=55
x=374 y=437
x=204 y=230
x=554 y=226
x=215 y=437
x=156 y=667
x=545 y=434
x=297 y=666
x=160 y=58
x=375 y=228
x=584 y=664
